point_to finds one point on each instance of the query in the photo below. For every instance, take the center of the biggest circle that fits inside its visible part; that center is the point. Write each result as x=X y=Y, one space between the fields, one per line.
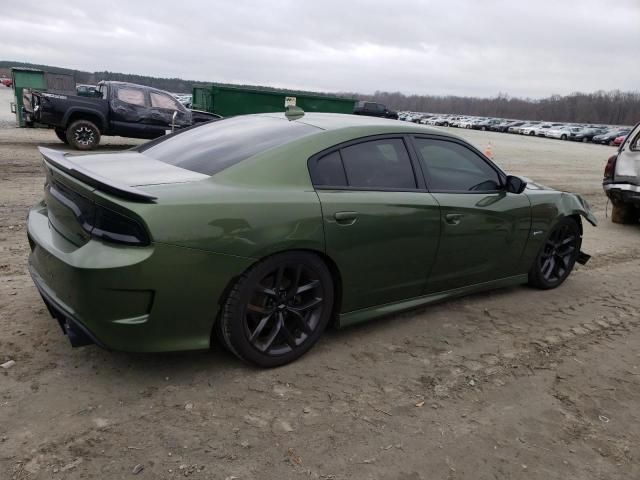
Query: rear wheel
x=62 y=135
x=83 y=135
x=558 y=255
x=624 y=213
x=585 y=140
x=278 y=309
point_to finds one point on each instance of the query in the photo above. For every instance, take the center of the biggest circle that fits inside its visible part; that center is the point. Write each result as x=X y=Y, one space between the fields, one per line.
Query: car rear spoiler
x=59 y=159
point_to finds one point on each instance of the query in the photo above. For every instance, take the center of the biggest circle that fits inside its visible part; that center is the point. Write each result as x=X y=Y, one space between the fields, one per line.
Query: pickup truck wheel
x=83 y=135
x=62 y=135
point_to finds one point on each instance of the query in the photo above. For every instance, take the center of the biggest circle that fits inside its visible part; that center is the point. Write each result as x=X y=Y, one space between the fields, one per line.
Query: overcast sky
x=462 y=47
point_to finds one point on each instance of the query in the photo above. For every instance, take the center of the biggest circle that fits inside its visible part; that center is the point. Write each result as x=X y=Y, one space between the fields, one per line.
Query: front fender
x=574 y=204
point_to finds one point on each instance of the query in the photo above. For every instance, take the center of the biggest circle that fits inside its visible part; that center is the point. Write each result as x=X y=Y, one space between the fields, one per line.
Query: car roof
x=340 y=121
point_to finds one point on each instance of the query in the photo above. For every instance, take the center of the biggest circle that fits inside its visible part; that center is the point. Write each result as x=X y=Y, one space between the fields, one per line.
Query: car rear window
x=212 y=147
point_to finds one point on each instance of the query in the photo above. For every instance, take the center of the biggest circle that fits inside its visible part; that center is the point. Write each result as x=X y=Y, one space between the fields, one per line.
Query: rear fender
x=85 y=113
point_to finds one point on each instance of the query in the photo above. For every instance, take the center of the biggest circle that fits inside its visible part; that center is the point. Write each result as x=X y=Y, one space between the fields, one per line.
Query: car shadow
x=217 y=363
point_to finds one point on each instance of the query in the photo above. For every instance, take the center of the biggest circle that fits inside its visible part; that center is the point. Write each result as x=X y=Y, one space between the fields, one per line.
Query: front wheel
x=558 y=255
x=278 y=309
x=83 y=135
x=563 y=137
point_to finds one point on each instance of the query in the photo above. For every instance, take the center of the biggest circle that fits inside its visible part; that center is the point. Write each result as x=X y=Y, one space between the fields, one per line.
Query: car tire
x=563 y=137
x=62 y=135
x=624 y=213
x=278 y=309
x=83 y=135
x=557 y=256
x=585 y=140
x=532 y=134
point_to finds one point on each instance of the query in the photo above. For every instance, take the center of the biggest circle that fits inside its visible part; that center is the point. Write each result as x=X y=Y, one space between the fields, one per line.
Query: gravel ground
x=511 y=384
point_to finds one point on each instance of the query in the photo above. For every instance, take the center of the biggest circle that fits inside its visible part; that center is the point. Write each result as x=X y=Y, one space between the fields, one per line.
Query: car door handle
x=453 y=218
x=346 y=218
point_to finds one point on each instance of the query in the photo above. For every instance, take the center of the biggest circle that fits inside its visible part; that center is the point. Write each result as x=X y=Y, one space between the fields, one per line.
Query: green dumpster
x=228 y=101
x=27 y=79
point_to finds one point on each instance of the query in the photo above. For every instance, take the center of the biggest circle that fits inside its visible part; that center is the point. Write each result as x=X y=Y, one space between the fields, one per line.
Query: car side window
x=383 y=163
x=131 y=95
x=160 y=100
x=452 y=167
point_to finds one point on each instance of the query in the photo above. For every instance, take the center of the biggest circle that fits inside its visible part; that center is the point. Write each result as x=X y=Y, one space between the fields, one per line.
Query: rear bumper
x=138 y=299
x=623 y=192
x=79 y=335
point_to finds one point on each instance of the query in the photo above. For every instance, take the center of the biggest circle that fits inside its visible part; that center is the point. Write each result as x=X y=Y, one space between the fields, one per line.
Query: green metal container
x=25 y=78
x=229 y=101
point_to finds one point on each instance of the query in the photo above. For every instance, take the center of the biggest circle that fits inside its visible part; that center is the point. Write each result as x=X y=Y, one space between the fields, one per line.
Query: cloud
x=425 y=47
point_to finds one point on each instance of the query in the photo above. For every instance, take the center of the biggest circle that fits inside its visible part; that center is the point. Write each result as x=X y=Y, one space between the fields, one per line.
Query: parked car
x=541 y=130
x=506 y=125
x=531 y=129
x=619 y=140
x=521 y=128
x=608 y=137
x=373 y=109
x=467 y=123
x=123 y=109
x=7 y=82
x=621 y=180
x=485 y=124
x=585 y=134
x=166 y=246
x=561 y=132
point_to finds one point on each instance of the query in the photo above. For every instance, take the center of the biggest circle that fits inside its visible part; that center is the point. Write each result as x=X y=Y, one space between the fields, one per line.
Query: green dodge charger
x=260 y=230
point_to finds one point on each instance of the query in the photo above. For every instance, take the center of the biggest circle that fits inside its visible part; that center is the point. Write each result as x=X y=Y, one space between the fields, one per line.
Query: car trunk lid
x=73 y=182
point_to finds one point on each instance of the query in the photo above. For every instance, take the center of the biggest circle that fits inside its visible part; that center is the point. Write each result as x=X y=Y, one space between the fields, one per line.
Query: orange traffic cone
x=489 y=151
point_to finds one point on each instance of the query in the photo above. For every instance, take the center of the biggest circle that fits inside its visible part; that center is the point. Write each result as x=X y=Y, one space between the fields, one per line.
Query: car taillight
x=609 y=169
x=114 y=227
x=98 y=221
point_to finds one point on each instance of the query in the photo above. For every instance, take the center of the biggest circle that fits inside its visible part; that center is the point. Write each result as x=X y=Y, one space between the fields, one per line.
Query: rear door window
x=132 y=96
x=375 y=164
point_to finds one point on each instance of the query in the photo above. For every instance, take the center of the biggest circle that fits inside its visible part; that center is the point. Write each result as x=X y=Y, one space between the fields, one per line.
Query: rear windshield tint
x=212 y=147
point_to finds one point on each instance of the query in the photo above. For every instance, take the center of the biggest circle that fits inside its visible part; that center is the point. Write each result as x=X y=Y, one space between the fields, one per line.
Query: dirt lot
x=514 y=384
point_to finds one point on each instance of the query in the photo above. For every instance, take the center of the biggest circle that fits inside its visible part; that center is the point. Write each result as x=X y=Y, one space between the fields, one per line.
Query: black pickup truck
x=121 y=109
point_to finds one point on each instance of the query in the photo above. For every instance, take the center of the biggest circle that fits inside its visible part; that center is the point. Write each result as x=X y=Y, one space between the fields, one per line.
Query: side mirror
x=515 y=184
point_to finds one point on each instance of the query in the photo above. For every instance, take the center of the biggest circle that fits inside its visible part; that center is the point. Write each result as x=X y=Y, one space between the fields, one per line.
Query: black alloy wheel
x=278 y=310
x=558 y=255
x=83 y=135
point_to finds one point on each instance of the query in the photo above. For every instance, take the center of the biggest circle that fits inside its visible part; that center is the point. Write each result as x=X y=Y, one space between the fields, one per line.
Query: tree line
x=612 y=107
